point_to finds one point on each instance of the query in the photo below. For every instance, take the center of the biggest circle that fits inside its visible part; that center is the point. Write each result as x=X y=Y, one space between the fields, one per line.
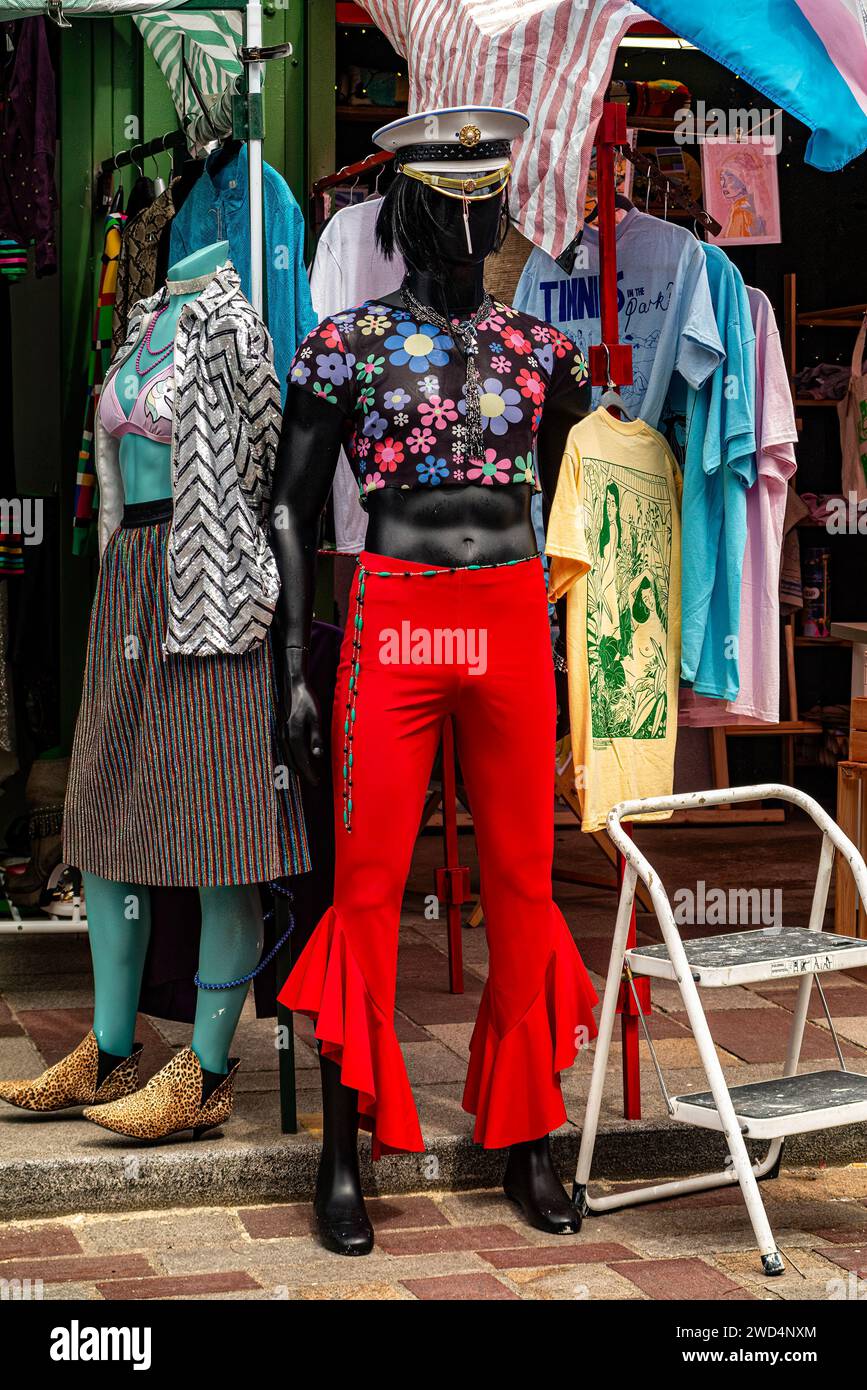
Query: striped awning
x=549 y=58
x=212 y=39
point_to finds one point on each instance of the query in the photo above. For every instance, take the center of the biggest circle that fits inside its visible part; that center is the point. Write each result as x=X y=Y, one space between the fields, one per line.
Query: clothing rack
x=673 y=185
x=248 y=124
x=320 y=188
x=137 y=154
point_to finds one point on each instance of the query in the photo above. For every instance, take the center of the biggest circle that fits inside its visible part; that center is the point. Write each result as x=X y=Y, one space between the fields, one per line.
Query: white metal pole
x=253 y=39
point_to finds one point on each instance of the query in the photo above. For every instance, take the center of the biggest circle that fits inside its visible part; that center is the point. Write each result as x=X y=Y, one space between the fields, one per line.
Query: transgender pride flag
x=808 y=56
x=842 y=27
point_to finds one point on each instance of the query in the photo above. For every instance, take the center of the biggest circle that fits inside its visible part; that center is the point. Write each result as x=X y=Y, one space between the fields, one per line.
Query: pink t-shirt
x=759 y=698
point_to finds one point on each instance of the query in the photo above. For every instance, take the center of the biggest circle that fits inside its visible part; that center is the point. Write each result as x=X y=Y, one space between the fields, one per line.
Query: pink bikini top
x=151 y=415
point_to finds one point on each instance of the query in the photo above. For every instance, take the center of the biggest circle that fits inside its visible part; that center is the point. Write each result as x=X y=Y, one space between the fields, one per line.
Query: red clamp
x=626 y=999
x=453 y=885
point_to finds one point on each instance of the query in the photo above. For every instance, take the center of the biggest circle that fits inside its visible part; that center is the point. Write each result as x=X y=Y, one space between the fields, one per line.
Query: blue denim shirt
x=218 y=209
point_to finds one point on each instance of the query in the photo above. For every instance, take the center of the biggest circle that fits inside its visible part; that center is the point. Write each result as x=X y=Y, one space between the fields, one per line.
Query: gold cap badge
x=469 y=135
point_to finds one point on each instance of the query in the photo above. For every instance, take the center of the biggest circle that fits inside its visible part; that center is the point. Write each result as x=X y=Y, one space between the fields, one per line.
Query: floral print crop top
x=401 y=385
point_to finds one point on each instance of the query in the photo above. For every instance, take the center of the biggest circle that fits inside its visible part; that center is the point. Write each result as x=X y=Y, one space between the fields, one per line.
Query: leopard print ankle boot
x=74 y=1081
x=170 y=1102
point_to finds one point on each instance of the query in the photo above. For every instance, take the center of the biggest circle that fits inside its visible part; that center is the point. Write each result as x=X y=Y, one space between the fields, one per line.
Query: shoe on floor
x=171 y=1102
x=73 y=1081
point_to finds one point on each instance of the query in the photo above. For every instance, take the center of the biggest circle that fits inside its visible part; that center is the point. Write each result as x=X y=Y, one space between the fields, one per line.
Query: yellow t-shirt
x=615 y=523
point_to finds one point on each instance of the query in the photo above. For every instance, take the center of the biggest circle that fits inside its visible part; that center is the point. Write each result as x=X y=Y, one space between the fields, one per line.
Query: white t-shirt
x=346 y=270
x=664 y=306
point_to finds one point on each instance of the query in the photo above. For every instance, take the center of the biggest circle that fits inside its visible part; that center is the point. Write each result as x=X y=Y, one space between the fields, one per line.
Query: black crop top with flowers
x=401 y=385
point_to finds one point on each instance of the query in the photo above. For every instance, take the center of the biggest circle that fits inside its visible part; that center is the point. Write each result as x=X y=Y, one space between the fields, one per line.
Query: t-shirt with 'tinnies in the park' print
x=614 y=540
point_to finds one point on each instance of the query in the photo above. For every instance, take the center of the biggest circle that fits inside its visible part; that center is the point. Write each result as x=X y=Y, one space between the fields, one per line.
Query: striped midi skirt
x=174 y=779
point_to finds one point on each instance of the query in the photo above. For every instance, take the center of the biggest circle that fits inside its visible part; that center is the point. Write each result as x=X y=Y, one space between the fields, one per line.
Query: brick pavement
x=458 y=1246
x=45 y=998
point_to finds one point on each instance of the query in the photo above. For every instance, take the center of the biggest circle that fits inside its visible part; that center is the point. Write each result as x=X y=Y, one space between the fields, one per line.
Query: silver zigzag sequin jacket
x=222 y=576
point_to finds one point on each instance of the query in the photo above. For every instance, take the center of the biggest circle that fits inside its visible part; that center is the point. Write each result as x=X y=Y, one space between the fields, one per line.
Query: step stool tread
x=789 y=1095
x=763 y=953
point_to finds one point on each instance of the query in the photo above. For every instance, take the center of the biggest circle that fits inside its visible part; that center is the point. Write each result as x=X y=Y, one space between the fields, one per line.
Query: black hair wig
x=406 y=226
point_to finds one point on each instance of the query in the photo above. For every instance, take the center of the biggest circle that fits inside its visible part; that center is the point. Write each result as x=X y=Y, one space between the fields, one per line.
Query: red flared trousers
x=418 y=646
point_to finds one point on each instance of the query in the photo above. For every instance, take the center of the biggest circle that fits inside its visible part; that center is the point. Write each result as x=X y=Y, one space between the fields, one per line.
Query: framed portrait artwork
x=623 y=172
x=741 y=189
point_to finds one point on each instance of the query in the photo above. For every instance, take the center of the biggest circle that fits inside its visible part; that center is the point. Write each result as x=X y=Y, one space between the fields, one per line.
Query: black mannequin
x=448 y=526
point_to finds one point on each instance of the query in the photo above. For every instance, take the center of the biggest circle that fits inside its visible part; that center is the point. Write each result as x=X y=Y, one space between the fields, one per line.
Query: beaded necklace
x=466 y=335
x=145 y=346
x=355 y=659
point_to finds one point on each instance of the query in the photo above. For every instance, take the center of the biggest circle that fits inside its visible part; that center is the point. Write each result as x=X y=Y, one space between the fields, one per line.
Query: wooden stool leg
x=847 y=920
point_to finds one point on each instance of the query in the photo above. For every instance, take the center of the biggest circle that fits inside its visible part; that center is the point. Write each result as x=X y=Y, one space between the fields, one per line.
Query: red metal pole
x=452 y=881
x=611 y=362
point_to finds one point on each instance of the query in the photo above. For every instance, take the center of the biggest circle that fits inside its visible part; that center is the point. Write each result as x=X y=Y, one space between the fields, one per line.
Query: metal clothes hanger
x=611 y=398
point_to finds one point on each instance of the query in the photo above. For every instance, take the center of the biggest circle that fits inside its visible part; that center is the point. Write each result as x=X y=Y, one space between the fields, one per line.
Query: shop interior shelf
x=740 y=958
x=788 y=1105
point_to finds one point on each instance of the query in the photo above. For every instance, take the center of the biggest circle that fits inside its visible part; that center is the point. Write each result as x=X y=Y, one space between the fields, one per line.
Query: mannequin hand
x=299 y=725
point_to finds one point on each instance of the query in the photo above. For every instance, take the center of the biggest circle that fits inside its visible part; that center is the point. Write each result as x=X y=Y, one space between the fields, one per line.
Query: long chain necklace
x=466 y=335
x=158 y=357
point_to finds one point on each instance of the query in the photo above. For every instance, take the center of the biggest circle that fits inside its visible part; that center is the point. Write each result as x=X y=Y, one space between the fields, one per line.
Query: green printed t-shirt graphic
x=615 y=525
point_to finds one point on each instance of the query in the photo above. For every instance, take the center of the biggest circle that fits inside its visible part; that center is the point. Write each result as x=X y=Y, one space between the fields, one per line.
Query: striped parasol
x=549 y=58
x=211 y=39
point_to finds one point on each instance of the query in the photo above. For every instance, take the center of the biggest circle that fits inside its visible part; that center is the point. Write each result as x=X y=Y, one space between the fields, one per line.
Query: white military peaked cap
x=455 y=140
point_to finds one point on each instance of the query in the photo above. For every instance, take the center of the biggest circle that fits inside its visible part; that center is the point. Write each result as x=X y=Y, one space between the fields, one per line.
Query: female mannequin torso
x=145 y=463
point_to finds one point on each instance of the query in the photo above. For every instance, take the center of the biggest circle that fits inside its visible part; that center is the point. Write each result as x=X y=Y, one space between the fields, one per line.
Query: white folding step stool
x=792 y=1104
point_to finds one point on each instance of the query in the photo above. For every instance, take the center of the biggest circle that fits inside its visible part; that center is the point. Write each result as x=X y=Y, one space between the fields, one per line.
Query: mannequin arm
x=306 y=459
x=558 y=417
x=557 y=420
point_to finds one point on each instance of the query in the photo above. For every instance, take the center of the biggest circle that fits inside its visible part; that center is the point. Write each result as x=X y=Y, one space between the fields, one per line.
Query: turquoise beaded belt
x=355 y=661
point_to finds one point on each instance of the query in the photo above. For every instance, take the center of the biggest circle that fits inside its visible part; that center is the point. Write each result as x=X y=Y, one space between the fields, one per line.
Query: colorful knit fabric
x=99 y=357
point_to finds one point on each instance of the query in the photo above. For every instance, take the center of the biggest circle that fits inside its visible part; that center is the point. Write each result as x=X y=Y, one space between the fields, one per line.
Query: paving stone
x=574 y=1284
x=670 y=1280
x=19 y=1059
x=407 y=1031
x=854 y=1028
x=838 y=1235
x=845 y=999
x=57 y=1031
x=78 y=1267
x=170 y=1230
x=405 y=1213
x=766 y=1037
x=464 y=1287
x=432 y=1063
x=429 y=1006
x=377 y=1293
x=268 y=1223
x=806 y=1276
x=453 y=1035
x=569 y=1252
x=17 y=1242
x=229 y=1281
x=852 y=1257
x=451 y=1238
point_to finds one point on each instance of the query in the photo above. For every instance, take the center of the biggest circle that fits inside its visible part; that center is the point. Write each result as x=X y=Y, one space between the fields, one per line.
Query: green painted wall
x=112 y=93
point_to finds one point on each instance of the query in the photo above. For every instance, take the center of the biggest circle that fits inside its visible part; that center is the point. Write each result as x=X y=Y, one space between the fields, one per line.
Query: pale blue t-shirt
x=665 y=309
x=719 y=466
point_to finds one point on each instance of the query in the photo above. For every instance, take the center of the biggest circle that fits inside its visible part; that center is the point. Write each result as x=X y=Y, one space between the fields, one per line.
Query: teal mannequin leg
x=119 y=928
x=231 y=946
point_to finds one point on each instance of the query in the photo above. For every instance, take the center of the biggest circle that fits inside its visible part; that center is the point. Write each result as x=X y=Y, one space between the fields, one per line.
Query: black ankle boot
x=344 y=1226
x=532 y=1183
